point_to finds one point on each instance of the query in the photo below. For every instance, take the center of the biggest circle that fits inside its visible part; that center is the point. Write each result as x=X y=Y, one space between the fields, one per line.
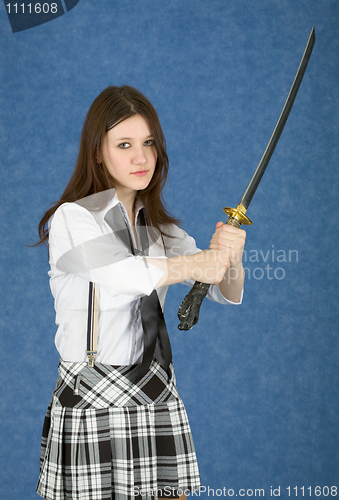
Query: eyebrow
x=129 y=138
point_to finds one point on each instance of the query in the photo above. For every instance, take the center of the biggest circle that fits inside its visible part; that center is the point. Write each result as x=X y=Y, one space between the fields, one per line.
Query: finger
x=216 y=246
x=224 y=243
x=224 y=238
x=230 y=235
x=236 y=231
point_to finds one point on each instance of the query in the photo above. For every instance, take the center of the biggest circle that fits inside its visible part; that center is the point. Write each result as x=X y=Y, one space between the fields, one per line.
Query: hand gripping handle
x=188 y=313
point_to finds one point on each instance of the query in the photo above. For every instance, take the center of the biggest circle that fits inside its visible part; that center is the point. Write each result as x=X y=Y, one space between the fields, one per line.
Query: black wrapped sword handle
x=188 y=313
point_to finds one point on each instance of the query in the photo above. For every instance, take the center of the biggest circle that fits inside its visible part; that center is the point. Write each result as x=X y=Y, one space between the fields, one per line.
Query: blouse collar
x=100 y=203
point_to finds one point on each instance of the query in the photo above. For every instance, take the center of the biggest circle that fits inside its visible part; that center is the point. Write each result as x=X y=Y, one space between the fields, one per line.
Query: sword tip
x=313 y=33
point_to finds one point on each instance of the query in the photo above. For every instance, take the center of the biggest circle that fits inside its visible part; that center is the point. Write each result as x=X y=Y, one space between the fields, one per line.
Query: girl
x=116 y=427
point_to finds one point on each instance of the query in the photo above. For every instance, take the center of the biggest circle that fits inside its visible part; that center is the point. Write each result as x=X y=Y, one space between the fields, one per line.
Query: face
x=130 y=155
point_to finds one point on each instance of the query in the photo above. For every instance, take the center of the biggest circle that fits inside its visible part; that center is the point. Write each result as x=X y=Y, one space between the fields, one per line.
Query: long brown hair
x=111 y=107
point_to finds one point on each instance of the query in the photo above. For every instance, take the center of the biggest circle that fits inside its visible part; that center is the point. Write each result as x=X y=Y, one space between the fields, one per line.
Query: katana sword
x=189 y=309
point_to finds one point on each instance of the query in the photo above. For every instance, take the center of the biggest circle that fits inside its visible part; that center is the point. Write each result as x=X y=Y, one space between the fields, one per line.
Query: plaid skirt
x=105 y=437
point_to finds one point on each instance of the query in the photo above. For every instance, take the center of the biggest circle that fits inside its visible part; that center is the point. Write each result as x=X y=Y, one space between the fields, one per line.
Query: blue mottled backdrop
x=260 y=381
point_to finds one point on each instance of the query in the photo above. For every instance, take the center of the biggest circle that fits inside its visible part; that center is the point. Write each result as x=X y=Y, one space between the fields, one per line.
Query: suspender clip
x=91 y=360
x=92 y=322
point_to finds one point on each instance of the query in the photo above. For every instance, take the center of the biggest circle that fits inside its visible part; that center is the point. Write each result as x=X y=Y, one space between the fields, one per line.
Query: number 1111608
x=38 y=8
x=323 y=491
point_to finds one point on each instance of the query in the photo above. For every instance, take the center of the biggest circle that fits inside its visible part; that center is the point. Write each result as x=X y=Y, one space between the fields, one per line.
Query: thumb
x=219 y=224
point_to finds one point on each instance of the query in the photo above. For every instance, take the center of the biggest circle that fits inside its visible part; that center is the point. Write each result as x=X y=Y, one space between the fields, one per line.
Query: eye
x=124 y=145
x=149 y=142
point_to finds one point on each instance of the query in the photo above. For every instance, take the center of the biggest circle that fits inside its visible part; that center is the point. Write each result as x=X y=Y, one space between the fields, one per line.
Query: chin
x=141 y=184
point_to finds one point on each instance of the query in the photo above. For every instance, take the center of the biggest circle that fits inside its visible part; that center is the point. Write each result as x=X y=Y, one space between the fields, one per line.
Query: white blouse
x=84 y=248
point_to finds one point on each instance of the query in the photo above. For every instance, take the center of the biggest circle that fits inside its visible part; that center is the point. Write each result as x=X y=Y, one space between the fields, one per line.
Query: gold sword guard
x=236 y=216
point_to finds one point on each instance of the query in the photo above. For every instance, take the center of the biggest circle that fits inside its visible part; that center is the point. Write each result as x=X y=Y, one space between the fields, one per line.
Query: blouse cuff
x=215 y=294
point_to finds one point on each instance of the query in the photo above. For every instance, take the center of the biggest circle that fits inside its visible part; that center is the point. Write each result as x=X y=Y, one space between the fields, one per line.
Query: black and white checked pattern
x=106 y=437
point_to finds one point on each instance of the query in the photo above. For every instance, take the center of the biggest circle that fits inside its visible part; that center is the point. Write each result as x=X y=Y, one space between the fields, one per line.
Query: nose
x=139 y=157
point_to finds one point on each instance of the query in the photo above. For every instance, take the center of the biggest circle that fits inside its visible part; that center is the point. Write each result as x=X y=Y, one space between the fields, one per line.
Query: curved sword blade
x=189 y=310
x=259 y=172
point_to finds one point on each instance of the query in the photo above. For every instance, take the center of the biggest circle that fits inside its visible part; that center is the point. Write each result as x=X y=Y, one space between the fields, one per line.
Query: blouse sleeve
x=180 y=243
x=79 y=245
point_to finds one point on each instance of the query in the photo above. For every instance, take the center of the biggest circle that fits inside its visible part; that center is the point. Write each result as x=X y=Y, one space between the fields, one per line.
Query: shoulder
x=70 y=217
x=69 y=210
x=92 y=207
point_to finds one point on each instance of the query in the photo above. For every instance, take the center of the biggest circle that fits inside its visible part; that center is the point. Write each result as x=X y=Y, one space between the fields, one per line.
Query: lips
x=140 y=173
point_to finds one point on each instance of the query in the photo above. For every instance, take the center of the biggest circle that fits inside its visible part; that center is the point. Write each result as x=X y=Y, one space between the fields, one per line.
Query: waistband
x=102 y=386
